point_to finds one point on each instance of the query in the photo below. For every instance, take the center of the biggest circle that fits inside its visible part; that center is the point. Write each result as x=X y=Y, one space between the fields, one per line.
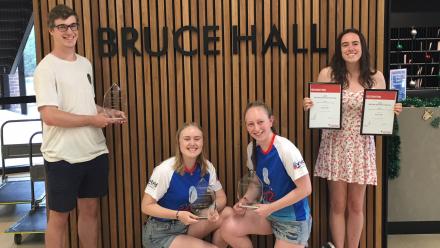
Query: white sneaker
x=328 y=245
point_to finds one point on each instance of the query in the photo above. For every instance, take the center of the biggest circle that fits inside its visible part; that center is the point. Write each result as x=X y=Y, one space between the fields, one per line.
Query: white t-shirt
x=68 y=86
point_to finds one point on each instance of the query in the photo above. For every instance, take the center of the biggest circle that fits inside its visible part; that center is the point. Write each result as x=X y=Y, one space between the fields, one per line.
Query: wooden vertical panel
x=356 y=15
x=348 y=14
x=80 y=44
x=299 y=80
x=147 y=86
x=171 y=74
x=251 y=61
x=242 y=100
x=38 y=25
x=291 y=77
x=140 y=122
x=179 y=64
x=129 y=136
x=187 y=62
x=267 y=59
x=340 y=15
x=97 y=77
x=87 y=27
x=372 y=35
x=275 y=64
x=302 y=87
x=66 y=2
x=228 y=180
x=260 y=39
x=212 y=127
x=331 y=27
x=221 y=140
x=46 y=6
x=236 y=109
x=364 y=18
x=323 y=33
x=119 y=75
x=195 y=63
x=164 y=100
x=203 y=64
x=165 y=91
x=380 y=38
x=284 y=30
x=155 y=82
x=103 y=77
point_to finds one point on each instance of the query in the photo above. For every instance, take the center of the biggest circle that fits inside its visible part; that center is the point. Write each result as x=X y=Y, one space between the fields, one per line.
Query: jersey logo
x=152 y=184
x=266 y=176
x=299 y=164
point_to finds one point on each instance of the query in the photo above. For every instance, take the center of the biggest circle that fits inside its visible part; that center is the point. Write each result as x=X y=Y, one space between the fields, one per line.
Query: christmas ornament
x=413 y=32
x=427 y=56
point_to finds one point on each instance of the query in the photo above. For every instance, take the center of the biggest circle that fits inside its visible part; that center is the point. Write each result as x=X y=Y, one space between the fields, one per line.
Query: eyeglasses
x=63 y=27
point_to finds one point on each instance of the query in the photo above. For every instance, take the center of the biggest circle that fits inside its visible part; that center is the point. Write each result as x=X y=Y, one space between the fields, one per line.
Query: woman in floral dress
x=346 y=158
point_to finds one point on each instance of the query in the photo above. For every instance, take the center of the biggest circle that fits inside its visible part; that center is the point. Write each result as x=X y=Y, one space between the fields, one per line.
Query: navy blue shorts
x=66 y=182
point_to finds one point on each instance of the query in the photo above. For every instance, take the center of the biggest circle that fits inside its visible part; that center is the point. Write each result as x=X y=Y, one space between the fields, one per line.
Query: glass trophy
x=250 y=190
x=115 y=100
x=202 y=199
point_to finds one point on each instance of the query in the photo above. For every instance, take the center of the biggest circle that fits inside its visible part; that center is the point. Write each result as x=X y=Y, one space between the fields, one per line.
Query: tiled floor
x=414 y=241
x=9 y=214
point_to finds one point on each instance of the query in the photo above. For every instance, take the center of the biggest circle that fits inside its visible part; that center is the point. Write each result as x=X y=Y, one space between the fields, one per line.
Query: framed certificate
x=378 y=114
x=327 y=105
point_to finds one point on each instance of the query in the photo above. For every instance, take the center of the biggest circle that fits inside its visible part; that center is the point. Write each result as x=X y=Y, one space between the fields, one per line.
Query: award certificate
x=378 y=114
x=327 y=105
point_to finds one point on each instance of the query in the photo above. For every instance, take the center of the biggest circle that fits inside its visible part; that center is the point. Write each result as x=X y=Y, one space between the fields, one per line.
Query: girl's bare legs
x=355 y=219
x=204 y=228
x=235 y=229
x=190 y=241
x=338 y=203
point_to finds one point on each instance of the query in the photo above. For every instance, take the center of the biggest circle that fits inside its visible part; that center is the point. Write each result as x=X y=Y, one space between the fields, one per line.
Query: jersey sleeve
x=214 y=183
x=159 y=182
x=45 y=87
x=293 y=161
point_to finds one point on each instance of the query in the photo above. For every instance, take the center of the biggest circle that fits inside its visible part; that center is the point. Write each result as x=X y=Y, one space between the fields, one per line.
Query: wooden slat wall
x=164 y=92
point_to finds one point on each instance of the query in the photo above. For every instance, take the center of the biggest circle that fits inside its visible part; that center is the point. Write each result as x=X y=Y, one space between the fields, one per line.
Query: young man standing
x=74 y=148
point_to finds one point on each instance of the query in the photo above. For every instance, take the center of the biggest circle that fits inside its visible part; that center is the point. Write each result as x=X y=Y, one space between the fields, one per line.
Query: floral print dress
x=345 y=154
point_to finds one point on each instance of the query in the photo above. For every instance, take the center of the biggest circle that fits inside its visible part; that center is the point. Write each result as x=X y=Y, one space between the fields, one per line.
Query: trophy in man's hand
x=115 y=102
x=250 y=191
x=202 y=199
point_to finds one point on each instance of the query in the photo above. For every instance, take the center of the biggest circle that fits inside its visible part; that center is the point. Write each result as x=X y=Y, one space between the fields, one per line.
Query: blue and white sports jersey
x=171 y=190
x=278 y=168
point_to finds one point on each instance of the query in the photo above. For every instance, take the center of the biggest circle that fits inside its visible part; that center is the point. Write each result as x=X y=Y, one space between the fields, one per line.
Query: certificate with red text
x=378 y=112
x=327 y=103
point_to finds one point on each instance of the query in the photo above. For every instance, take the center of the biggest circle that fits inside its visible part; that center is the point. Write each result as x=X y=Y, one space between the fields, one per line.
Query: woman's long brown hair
x=339 y=68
